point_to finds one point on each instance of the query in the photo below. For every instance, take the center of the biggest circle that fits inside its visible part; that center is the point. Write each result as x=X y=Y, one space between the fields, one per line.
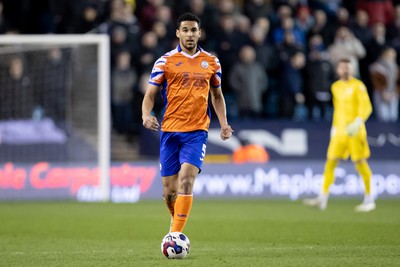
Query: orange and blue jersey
x=185 y=82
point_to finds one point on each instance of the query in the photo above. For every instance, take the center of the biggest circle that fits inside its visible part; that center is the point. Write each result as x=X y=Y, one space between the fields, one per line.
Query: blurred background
x=278 y=60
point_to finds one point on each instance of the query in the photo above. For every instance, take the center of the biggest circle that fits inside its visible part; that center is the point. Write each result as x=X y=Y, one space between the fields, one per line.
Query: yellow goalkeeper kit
x=352 y=107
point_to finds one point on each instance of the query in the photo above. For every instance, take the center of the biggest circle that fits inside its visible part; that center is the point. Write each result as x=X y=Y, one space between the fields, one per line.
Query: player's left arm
x=363 y=110
x=218 y=102
x=364 y=103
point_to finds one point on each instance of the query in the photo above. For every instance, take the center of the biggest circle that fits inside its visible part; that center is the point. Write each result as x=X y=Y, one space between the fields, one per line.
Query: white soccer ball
x=175 y=245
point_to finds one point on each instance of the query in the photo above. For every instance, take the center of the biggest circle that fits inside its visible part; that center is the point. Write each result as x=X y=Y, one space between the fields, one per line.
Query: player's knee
x=359 y=162
x=186 y=183
x=170 y=191
x=170 y=196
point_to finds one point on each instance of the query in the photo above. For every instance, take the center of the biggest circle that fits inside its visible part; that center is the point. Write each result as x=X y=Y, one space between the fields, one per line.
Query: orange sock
x=170 y=206
x=182 y=209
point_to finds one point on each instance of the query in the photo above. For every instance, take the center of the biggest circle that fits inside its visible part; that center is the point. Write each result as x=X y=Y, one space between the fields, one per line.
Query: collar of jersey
x=199 y=49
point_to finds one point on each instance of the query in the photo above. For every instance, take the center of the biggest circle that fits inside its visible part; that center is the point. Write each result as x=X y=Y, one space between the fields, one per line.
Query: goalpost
x=73 y=95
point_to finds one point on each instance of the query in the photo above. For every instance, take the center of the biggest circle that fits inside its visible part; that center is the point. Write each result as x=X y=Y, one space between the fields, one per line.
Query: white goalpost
x=75 y=96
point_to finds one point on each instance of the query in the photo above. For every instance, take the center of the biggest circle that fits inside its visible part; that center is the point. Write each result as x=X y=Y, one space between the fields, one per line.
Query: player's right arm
x=149 y=121
x=155 y=81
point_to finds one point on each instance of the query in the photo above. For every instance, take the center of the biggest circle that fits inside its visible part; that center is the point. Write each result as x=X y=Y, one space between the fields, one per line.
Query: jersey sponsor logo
x=178 y=64
x=185 y=79
x=204 y=64
x=181 y=215
x=200 y=80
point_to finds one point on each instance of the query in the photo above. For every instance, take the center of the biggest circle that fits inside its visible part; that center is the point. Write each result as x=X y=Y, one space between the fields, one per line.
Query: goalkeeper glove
x=353 y=128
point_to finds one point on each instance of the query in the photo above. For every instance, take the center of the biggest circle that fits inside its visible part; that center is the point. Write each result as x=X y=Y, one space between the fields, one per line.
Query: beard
x=189 y=45
x=345 y=76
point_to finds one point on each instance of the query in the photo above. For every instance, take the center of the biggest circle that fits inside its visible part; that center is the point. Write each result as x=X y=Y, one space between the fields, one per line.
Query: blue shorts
x=179 y=147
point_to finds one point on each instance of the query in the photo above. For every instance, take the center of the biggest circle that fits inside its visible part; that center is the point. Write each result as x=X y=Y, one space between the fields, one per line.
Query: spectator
x=207 y=14
x=164 y=14
x=160 y=29
x=288 y=25
x=283 y=12
x=88 y=19
x=384 y=77
x=149 y=52
x=330 y=7
x=363 y=33
x=319 y=75
x=378 y=10
x=322 y=27
x=360 y=27
x=255 y=9
x=243 y=28
x=266 y=54
x=288 y=47
x=148 y=14
x=342 y=18
x=377 y=43
x=227 y=7
x=16 y=97
x=123 y=79
x=304 y=21
x=292 y=4
x=249 y=81
x=264 y=24
x=119 y=41
x=346 y=46
x=393 y=30
x=117 y=10
x=123 y=28
x=394 y=33
x=291 y=81
x=3 y=26
x=51 y=82
x=228 y=41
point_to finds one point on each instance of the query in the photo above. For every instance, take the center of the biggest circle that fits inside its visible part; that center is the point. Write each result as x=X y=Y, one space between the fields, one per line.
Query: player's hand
x=150 y=122
x=226 y=132
x=353 y=128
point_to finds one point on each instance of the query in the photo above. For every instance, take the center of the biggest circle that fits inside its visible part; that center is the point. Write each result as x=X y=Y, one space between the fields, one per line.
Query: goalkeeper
x=352 y=108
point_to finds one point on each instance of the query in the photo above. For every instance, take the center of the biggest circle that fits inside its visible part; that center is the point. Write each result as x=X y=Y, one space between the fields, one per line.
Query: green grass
x=222 y=233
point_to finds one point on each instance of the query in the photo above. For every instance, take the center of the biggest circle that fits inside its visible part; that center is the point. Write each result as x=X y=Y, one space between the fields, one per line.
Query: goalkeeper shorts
x=342 y=146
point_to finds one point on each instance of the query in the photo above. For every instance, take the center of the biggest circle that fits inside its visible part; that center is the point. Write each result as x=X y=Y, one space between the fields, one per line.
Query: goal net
x=54 y=102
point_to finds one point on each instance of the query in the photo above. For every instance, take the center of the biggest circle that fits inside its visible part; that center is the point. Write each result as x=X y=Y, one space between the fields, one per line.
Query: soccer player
x=352 y=107
x=185 y=76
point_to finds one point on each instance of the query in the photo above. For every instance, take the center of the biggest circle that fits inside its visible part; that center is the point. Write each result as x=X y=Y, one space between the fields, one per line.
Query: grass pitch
x=222 y=233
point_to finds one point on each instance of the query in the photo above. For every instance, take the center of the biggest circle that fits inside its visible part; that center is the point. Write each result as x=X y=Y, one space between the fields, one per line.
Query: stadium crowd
x=278 y=57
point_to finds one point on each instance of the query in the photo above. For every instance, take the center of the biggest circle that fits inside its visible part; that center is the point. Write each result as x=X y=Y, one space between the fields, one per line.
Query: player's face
x=344 y=70
x=188 y=34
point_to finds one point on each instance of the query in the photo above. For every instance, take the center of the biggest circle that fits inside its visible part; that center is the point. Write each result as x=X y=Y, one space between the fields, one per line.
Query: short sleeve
x=216 y=77
x=157 y=73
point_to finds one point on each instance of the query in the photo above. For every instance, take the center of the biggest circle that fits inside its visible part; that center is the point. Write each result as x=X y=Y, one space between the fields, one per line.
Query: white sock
x=368 y=199
x=324 y=198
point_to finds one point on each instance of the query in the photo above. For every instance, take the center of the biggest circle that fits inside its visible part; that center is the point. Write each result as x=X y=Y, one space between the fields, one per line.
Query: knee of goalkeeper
x=353 y=128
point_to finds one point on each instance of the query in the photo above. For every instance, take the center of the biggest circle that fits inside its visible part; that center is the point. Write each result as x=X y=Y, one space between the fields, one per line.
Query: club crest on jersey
x=204 y=64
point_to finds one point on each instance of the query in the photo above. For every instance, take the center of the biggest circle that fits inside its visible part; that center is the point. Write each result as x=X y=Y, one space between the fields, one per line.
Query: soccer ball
x=175 y=245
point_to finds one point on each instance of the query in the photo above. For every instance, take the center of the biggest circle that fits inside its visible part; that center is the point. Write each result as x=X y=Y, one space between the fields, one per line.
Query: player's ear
x=200 y=33
x=177 y=33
